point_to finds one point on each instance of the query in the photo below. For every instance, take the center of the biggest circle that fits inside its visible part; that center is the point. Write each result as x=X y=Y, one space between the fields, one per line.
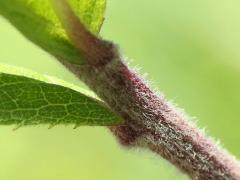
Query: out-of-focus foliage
x=39 y=23
x=190 y=50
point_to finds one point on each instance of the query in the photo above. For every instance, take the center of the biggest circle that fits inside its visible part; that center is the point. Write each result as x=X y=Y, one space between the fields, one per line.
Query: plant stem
x=150 y=121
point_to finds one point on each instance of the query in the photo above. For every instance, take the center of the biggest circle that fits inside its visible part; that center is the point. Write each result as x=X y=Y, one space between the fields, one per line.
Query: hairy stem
x=149 y=120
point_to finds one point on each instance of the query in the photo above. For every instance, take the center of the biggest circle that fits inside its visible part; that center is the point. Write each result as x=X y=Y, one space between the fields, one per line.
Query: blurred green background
x=191 y=51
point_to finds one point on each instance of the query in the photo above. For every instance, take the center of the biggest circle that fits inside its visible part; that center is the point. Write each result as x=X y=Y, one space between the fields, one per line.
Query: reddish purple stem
x=149 y=120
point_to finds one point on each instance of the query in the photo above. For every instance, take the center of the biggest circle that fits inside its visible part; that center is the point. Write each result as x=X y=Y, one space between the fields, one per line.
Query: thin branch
x=150 y=121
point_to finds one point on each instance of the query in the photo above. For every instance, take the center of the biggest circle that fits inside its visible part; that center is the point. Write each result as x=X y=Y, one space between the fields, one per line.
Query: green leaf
x=37 y=20
x=28 y=98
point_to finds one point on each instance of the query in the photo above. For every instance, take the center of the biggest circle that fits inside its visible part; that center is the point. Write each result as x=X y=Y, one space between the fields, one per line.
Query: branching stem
x=150 y=121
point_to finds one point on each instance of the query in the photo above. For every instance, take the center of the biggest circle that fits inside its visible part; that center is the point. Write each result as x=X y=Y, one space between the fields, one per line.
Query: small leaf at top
x=37 y=21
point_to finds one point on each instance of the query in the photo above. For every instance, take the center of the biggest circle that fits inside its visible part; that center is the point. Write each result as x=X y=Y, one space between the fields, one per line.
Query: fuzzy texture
x=149 y=120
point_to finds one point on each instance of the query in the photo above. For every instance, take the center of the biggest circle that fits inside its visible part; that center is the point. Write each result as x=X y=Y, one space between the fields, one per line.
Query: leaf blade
x=25 y=100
